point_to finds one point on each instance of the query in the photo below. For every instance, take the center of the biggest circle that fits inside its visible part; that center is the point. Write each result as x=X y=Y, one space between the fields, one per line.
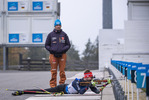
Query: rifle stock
x=96 y=80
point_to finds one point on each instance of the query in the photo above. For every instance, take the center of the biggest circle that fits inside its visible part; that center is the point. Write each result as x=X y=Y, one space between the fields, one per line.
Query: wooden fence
x=43 y=64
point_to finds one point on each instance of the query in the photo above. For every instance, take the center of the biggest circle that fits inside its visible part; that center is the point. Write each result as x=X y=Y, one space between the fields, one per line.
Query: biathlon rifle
x=98 y=81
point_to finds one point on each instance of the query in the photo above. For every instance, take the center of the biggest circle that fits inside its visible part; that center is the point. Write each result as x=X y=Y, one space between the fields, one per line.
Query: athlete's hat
x=57 y=22
x=89 y=74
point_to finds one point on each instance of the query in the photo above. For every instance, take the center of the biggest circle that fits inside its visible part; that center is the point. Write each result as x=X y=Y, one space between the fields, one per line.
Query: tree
x=88 y=51
x=91 y=51
x=95 y=50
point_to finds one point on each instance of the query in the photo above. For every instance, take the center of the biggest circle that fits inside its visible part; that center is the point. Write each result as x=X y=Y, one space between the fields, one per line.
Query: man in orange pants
x=57 y=43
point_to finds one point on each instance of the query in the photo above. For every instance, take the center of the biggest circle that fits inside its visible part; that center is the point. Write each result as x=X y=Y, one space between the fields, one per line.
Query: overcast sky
x=82 y=19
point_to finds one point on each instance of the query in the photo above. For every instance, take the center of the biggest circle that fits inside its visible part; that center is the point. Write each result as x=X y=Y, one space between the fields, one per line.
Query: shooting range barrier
x=136 y=73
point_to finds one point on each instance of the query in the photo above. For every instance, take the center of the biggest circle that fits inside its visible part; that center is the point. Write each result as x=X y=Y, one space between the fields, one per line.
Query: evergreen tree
x=91 y=51
x=88 y=51
x=95 y=50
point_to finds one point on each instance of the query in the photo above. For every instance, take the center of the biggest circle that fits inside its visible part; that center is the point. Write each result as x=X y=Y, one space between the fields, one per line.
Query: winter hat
x=87 y=75
x=57 y=22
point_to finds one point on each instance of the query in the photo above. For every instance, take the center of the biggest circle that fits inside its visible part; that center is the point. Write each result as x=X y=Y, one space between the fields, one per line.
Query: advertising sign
x=12 y=6
x=44 y=5
x=134 y=72
x=13 y=38
x=37 y=5
x=37 y=38
x=141 y=77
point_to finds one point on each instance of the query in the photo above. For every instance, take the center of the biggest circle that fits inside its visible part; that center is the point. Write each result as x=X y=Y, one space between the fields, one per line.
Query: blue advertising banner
x=13 y=38
x=12 y=6
x=141 y=77
x=37 y=38
x=37 y=6
x=133 y=72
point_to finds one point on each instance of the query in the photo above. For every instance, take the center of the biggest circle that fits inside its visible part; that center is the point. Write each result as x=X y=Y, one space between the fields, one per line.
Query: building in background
x=107 y=14
x=132 y=43
x=110 y=40
x=137 y=31
x=26 y=23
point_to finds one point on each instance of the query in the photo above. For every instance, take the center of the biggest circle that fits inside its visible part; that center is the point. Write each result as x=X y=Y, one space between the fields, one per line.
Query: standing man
x=57 y=43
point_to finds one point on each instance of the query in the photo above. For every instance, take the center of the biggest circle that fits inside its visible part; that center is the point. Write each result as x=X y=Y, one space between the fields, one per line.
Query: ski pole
x=43 y=90
x=35 y=92
x=28 y=91
x=11 y=90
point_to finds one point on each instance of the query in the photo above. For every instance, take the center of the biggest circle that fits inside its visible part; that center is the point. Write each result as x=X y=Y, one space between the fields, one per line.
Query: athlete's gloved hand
x=93 y=83
x=109 y=81
x=57 y=55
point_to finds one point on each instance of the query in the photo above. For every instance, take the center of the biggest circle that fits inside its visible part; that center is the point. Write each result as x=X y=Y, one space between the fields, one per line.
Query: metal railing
x=119 y=94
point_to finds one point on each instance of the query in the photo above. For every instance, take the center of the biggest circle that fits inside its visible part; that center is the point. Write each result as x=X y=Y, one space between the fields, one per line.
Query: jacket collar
x=57 y=31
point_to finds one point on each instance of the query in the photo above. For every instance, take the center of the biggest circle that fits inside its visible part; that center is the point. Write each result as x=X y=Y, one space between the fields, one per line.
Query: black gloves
x=57 y=55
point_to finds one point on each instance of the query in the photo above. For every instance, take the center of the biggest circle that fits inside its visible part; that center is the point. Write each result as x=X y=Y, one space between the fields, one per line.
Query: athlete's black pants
x=59 y=88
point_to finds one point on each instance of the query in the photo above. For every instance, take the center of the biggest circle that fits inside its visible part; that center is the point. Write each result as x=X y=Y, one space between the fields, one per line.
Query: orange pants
x=54 y=63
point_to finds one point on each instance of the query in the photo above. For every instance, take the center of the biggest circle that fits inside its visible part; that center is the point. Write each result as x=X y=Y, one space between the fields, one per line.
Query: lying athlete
x=73 y=88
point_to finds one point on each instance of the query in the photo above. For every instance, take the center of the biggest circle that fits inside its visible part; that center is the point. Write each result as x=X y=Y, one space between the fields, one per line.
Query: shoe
x=16 y=93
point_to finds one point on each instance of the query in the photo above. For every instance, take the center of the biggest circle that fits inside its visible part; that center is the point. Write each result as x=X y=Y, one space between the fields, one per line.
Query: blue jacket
x=75 y=88
x=57 y=42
